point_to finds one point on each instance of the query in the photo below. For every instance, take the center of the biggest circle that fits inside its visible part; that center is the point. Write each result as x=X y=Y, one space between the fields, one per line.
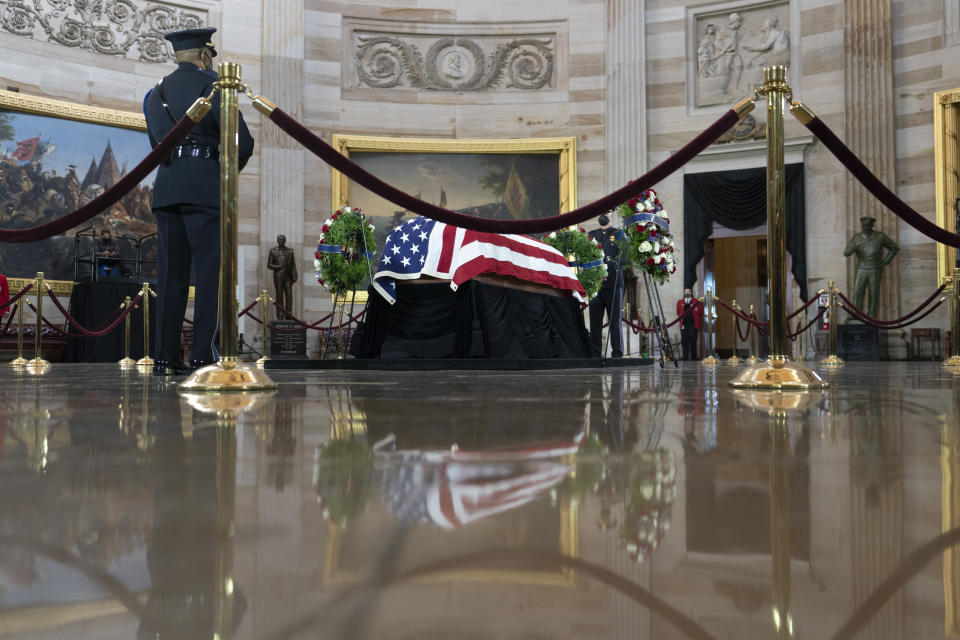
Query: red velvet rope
x=803 y=308
x=315 y=326
x=874 y=321
x=109 y=197
x=109 y=324
x=740 y=314
x=867 y=320
x=14 y=299
x=743 y=338
x=539 y=225
x=793 y=336
x=877 y=188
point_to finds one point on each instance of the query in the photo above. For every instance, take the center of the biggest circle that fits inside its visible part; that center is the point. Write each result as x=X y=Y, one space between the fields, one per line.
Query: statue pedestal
x=858 y=342
x=287 y=343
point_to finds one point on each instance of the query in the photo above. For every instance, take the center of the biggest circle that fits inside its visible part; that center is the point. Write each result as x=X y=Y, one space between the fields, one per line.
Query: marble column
x=869 y=127
x=626 y=134
x=282 y=159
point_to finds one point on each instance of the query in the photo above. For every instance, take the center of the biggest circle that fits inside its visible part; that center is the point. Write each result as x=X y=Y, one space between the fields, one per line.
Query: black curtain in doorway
x=738 y=200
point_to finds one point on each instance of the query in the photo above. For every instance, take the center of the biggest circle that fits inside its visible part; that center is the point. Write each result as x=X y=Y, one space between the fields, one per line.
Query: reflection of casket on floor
x=486 y=317
x=446 y=292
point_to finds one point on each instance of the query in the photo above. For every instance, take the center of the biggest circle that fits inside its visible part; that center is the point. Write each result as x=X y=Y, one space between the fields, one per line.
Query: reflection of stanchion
x=264 y=299
x=127 y=362
x=229 y=374
x=38 y=364
x=735 y=358
x=954 y=359
x=711 y=358
x=833 y=360
x=146 y=361
x=777 y=372
x=19 y=361
x=753 y=358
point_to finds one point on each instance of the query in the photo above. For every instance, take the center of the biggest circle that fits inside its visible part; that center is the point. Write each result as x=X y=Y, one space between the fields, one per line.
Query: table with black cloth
x=484 y=318
x=92 y=303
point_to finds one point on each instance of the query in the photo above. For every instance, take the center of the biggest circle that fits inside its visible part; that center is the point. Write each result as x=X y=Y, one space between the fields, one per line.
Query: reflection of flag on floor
x=514 y=194
x=26 y=149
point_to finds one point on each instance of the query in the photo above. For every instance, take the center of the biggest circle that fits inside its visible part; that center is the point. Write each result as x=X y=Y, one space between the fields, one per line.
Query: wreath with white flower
x=649 y=503
x=647 y=229
x=345 y=252
x=584 y=254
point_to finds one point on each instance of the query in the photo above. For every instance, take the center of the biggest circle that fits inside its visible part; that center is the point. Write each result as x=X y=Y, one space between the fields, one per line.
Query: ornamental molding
x=130 y=29
x=452 y=58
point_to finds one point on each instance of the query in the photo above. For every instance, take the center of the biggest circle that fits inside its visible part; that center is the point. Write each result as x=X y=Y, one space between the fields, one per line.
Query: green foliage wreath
x=346 y=249
x=647 y=231
x=579 y=248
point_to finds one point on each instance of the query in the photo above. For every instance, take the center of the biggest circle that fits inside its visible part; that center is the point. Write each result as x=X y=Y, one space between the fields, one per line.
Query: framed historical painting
x=56 y=156
x=488 y=178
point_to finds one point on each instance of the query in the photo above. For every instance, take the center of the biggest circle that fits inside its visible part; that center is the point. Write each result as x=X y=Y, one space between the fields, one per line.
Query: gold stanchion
x=127 y=362
x=264 y=299
x=19 y=361
x=754 y=342
x=954 y=359
x=229 y=374
x=38 y=364
x=146 y=361
x=735 y=359
x=778 y=372
x=711 y=358
x=833 y=360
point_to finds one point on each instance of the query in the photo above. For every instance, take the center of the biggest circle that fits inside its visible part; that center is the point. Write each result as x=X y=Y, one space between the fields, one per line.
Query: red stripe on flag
x=446 y=251
x=489 y=265
x=446 y=504
x=546 y=252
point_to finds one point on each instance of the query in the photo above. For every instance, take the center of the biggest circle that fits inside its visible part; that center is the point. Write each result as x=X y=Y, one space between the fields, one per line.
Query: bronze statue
x=868 y=245
x=283 y=263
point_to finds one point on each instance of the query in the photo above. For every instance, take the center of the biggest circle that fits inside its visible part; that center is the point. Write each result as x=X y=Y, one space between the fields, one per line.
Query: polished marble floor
x=646 y=503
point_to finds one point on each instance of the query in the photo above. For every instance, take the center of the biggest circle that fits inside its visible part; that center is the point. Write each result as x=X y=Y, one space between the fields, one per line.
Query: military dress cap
x=867 y=219
x=193 y=39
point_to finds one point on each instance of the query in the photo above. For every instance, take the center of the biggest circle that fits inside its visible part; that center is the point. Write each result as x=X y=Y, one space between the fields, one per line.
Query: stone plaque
x=858 y=342
x=287 y=343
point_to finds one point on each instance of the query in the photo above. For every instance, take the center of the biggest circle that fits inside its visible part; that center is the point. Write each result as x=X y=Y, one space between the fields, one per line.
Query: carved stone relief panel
x=730 y=46
x=131 y=29
x=451 y=57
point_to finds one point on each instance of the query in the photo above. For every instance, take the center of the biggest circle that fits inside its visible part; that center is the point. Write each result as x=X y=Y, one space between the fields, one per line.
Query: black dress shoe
x=168 y=368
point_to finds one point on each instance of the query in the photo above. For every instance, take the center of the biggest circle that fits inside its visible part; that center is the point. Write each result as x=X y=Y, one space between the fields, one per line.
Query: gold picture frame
x=946 y=148
x=31 y=105
x=564 y=148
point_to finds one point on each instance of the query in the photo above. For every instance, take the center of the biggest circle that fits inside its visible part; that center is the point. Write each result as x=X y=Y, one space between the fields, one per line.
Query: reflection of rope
x=14 y=299
x=109 y=197
x=108 y=325
x=881 y=323
x=877 y=188
x=537 y=225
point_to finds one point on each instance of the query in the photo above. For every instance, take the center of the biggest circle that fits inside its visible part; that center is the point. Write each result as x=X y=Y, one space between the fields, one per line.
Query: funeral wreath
x=646 y=227
x=584 y=255
x=346 y=249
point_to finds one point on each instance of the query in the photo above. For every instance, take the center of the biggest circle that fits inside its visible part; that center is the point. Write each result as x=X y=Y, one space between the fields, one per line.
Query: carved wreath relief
x=454 y=63
x=129 y=28
x=733 y=48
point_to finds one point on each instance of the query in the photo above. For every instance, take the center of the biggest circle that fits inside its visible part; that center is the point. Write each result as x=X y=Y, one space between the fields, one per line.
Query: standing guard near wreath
x=610 y=297
x=186 y=201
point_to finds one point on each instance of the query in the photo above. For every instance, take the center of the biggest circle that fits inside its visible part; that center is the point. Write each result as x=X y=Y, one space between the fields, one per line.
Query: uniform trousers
x=188 y=234
x=609 y=301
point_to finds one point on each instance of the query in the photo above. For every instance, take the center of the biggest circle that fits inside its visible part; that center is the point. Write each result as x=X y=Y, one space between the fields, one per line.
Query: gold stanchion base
x=710 y=361
x=752 y=360
x=228 y=375
x=37 y=366
x=145 y=361
x=127 y=363
x=734 y=360
x=799 y=359
x=952 y=361
x=832 y=361
x=778 y=373
x=19 y=361
x=262 y=361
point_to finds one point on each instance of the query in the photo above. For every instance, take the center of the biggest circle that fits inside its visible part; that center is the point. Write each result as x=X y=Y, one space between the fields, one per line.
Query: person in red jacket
x=690 y=325
x=4 y=294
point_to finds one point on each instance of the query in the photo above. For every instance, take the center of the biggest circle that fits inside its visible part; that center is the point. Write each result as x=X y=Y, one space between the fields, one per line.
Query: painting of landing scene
x=56 y=156
x=498 y=179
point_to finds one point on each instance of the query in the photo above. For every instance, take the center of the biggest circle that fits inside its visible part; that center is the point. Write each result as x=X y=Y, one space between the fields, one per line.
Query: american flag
x=424 y=247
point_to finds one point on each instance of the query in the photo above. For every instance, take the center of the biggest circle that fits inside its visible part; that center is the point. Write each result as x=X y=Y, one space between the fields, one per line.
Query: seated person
x=107 y=254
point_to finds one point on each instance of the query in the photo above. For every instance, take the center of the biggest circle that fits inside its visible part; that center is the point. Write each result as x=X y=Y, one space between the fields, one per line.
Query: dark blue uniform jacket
x=189 y=180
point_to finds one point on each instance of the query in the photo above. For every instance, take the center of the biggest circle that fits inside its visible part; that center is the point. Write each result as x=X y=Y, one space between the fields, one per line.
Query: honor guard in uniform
x=186 y=201
x=610 y=297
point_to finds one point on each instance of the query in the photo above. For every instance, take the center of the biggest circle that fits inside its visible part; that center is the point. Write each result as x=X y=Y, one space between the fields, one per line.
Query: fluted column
x=626 y=92
x=282 y=159
x=869 y=127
